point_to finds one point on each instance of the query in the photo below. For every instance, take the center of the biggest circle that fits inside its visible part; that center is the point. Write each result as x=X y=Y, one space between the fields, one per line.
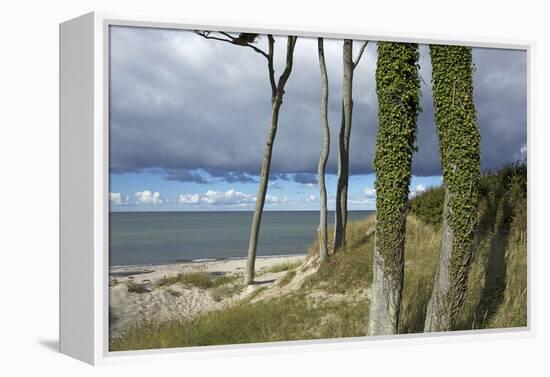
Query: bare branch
x=360 y=54
x=232 y=40
x=270 y=67
x=290 y=44
x=227 y=35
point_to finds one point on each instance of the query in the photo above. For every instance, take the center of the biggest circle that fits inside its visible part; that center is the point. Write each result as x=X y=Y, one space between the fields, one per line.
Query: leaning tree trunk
x=398 y=91
x=341 y=211
x=278 y=90
x=262 y=190
x=459 y=141
x=322 y=231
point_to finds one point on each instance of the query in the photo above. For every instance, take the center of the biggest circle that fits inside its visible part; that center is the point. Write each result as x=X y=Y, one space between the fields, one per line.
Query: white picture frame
x=84 y=174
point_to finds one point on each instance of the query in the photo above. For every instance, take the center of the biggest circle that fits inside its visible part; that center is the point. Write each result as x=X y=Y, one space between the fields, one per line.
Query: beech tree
x=341 y=211
x=398 y=91
x=322 y=231
x=277 y=93
x=459 y=144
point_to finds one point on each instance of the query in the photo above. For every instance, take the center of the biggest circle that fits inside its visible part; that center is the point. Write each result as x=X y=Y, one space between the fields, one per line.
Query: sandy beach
x=141 y=293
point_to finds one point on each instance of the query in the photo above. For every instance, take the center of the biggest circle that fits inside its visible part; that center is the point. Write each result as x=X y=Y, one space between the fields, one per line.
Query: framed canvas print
x=226 y=186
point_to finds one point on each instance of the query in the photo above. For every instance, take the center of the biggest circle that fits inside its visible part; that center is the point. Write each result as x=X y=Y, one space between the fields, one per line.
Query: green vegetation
x=333 y=302
x=497 y=288
x=287 y=266
x=452 y=77
x=198 y=279
x=398 y=91
x=287 y=278
x=224 y=291
x=288 y=318
x=429 y=206
x=459 y=145
x=351 y=268
x=136 y=287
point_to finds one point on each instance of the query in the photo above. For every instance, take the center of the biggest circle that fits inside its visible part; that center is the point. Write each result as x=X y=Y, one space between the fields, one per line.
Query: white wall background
x=29 y=185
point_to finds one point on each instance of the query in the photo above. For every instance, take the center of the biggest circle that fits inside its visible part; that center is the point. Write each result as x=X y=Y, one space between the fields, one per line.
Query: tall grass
x=198 y=279
x=497 y=290
x=285 y=266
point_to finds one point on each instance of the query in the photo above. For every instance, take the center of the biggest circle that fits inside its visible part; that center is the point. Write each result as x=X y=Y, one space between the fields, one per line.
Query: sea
x=152 y=238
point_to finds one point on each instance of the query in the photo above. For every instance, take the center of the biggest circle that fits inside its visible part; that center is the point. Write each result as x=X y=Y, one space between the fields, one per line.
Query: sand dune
x=178 y=301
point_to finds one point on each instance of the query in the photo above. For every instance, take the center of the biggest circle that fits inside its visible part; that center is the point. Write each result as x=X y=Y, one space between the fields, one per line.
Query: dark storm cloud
x=183 y=175
x=305 y=178
x=181 y=103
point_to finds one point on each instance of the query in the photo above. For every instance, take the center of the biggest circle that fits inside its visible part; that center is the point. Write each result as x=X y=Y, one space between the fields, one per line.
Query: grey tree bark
x=277 y=93
x=322 y=231
x=385 y=302
x=276 y=102
x=437 y=313
x=341 y=210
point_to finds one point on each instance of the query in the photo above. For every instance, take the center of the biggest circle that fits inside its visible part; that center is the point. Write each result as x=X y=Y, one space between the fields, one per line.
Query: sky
x=189 y=117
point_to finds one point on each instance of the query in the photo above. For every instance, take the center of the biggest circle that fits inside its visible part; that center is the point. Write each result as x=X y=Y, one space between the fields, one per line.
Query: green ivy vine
x=459 y=143
x=398 y=91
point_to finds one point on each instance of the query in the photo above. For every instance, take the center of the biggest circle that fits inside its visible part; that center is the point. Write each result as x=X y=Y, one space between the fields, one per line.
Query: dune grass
x=497 y=289
x=281 y=319
x=198 y=279
x=285 y=266
x=287 y=278
x=226 y=290
x=136 y=287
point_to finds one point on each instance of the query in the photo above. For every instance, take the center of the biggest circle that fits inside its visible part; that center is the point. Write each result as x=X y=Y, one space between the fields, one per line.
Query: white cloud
x=271 y=199
x=189 y=199
x=370 y=192
x=522 y=154
x=148 y=197
x=274 y=185
x=366 y=197
x=419 y=189
x=115 y=198
x=311 y=198
x=309 y=185
x=223 y=198
x=227 y=198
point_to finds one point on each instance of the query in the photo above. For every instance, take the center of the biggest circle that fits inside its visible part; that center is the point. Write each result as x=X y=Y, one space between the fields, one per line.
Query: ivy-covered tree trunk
x=341 y=210
x=452 y=78
x=398 y=91
x=322 y=231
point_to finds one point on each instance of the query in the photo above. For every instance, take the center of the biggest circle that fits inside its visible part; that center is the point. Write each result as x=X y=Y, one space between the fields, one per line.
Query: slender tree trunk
x=398 y=91
x=262 y=190
x=341 y=213
x=452 y=77
x=322 y=231
x=278 y=90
